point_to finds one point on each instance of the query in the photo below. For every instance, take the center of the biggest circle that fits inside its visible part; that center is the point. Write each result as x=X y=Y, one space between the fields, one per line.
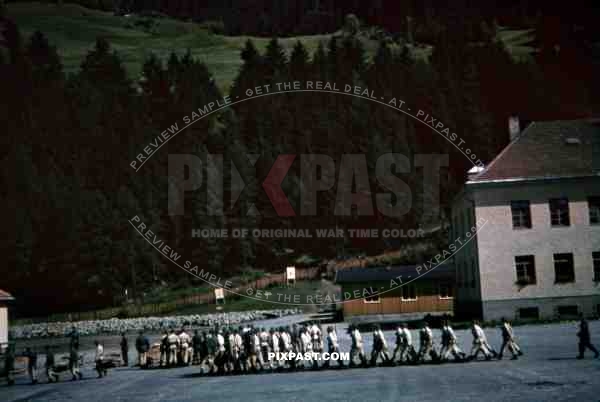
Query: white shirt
x=479 y=334
x=184 y=339
x=379 y=333
x=407 y=336
x=357 y=338
x=221 y=343
x=99 y=352
x=275 y=342
x=306 y=341
x=451 y=334
x=332 y=338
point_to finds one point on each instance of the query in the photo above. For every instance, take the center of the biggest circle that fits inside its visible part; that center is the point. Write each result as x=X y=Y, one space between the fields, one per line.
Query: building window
x=446 y=291
x=525 y=266
x=521 y=214
x=559 y=212
x=409 y=293
x=596 y=259
x=563 y=268
x=594 y=209
x=568 y=311
x=372 y=299
x=529 y=313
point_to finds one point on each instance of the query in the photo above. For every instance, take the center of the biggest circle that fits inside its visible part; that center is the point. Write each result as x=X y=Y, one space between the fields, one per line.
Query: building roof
x=547 y=150
x=387 y=273
x=5 y=296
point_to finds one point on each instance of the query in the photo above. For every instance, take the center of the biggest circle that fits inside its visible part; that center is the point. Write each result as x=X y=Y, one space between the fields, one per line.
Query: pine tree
x=299 y=62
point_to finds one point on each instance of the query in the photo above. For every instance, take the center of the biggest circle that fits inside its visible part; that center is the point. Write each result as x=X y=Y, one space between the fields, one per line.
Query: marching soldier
x=256 y=358
x=285 y=344
x=237 y=347
x=451 y=346
x=307 y=343
x=333 y=346
x=124 y=349
x=357 y=347
x=407 y=353
x=399 y=343
x=173 y=341
x=50 y=363
x=31 y=364
x=264 y=348
x=379 y=347
x=480 y=343
x=317 y=343
x=426 y=343
x=508 y=340
x=274 y=345
x=584 y=339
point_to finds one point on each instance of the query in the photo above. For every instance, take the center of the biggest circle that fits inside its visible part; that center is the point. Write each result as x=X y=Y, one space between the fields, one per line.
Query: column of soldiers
x=248 y=349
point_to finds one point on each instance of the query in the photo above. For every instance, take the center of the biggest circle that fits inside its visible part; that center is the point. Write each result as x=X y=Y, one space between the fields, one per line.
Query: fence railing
x=149 y=309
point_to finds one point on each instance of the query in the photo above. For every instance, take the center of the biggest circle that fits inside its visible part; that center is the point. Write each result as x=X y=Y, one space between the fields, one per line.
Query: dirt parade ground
x=548 y=370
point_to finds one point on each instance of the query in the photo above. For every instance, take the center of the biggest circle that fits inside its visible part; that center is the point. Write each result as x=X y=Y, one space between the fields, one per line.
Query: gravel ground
x=547 y=371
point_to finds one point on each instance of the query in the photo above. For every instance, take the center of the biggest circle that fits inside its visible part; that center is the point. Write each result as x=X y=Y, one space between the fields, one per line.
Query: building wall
x=428 y=300
x=3 y=324
x=498 y=244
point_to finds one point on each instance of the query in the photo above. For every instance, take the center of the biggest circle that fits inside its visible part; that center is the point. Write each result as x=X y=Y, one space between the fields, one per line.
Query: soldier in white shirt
x=508 y=340
x=99 y=359
x=451 y=346
x=380 y=347
x=333 y=346
x=185 y=347
x=408 y=350
x=173 y=341
x=237 y=346
x=264 y=358
x=306 y=341
x=480 y=343
x=426 y=343
x=357 y=347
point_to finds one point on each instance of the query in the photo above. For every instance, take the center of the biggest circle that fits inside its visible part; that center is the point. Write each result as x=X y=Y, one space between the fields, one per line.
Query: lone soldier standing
x=124 y=349
x=584 y=339
x=31 y=364
x=508 y=340
x=50 y=362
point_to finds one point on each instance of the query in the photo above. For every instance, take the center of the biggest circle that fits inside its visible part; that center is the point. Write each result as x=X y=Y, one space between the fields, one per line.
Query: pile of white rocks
x=147 y=324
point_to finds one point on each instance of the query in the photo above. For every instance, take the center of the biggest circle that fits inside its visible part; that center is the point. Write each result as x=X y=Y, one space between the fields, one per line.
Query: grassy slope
x=73 y=29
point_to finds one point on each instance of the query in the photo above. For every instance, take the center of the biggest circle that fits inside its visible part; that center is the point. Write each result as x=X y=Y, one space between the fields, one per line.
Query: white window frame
x=377 y=299
x=409 y=300
x=449 y=286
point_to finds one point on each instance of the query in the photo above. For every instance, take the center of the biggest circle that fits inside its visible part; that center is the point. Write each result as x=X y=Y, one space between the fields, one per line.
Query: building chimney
x=514 y=127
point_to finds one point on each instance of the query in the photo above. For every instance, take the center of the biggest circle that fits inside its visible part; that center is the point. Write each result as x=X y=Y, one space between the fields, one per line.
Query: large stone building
x=536 y=209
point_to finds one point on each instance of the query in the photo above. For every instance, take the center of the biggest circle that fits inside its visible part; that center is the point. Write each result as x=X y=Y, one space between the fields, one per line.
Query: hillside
x=73 y=30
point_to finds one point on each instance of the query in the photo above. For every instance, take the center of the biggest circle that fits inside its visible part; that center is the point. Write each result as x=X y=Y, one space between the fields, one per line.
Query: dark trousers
x=583 y=345
x=125 y=354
